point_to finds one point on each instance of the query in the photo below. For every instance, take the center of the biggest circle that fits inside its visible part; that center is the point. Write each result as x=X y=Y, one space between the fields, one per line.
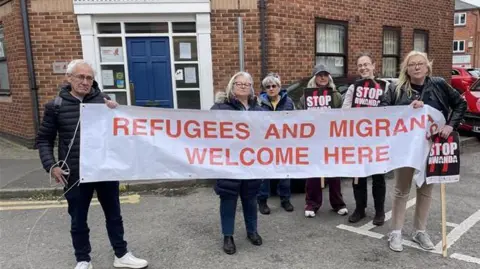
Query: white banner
x=139 y=143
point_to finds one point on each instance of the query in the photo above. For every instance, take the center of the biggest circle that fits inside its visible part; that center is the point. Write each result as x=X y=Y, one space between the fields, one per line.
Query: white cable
x=62 y=163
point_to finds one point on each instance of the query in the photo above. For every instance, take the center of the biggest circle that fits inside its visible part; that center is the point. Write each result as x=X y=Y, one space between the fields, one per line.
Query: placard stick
x=355 y=181
x=322 y=182
x=444 y=219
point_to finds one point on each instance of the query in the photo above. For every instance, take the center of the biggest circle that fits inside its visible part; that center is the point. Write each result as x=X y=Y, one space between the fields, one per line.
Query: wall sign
x=60 y=67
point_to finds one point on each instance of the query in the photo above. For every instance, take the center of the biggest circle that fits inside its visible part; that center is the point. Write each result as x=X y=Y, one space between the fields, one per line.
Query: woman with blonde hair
x=238 y=96
x=417 y=87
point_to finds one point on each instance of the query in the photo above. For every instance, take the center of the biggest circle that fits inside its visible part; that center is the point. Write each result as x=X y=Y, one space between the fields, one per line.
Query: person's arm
x=46 y=137
x=388 y=98
x=456 y=103
x=337 y=99
x=347 y=102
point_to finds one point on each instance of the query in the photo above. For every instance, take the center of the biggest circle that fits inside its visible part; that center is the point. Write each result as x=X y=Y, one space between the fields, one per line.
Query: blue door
x=149 y=71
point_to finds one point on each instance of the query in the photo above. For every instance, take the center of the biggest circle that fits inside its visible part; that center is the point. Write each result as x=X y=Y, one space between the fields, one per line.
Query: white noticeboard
x=111 y=54
x=107 y=78
x=185 y=51
x=190 y=75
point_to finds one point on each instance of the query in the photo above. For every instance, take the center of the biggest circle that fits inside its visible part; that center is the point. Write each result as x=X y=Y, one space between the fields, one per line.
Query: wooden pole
x=444 y=219
x=322 y=182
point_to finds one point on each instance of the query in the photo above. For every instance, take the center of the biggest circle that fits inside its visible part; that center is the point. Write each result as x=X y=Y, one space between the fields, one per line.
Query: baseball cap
x=319 y=68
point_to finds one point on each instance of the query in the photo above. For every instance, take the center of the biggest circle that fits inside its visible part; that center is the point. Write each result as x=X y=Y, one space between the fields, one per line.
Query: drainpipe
x=476 y=46
x=31 y=69
x=263 y=41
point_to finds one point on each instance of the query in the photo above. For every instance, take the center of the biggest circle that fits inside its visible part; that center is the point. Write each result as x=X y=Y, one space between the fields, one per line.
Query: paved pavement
x=184 y=232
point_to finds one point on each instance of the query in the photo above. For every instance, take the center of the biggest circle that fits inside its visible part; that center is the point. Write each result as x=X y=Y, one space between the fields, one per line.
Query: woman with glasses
x=366 y=69
x=313 y=191
x=417 y=87
x=239 y=96
x=274 y=98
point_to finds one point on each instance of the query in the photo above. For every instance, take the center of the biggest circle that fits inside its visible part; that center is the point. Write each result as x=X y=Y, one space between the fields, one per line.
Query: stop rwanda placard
x=318 y=98
x=443 y=164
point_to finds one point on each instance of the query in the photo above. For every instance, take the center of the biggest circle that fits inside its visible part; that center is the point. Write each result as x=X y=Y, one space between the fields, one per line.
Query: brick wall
x=16 y=109
x=55 y=38
x=291 y=31
x=467 y=31
x=225 y=49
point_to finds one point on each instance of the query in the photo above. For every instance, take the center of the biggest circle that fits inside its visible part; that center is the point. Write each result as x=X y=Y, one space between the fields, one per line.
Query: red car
x=471 y=121
x=463 y=78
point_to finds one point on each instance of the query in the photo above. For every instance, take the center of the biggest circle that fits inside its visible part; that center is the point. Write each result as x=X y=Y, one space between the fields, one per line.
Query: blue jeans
x=283 y=190
x=228 y=207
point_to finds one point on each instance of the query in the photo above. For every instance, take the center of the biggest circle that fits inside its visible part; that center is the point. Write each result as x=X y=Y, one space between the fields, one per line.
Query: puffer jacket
x=336 y=96
x=285 y=103
x=449 y=99
x=63 y=120
x=232 y=187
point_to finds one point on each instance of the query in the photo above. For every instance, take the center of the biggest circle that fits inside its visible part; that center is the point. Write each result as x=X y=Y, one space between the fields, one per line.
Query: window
x=459 y=46
x=460 y=19
x=420 y=40
x=4 y=83
x=331 y=46
x=391 y=52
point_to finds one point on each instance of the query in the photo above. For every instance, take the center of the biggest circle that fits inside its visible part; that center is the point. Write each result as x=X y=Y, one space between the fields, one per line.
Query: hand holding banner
x=139 y=143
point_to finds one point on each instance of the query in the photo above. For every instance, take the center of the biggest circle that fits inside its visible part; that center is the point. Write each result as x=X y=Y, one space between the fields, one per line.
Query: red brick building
x=466 y=39
x=178 y=53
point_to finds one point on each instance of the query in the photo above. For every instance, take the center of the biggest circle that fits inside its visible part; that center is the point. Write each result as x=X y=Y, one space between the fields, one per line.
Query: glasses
x=83 y=77
x=363 y=65
x=243 y=85
x=271 y=86
x=415 y=65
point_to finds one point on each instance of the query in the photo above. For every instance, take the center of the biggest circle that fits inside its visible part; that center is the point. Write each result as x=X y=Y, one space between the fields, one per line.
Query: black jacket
x=440 y=90
x=63 y=120
x=233 y=187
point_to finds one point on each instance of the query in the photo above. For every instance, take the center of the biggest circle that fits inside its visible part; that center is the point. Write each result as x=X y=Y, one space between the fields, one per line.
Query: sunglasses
x=270 y=86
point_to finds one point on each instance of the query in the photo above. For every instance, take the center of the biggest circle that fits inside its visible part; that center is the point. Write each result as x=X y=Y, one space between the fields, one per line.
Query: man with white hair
x=62 y=116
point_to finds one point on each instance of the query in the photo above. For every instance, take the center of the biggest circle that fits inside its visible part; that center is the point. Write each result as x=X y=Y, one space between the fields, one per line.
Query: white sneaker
x=309 y=214
x=395 y=242
x=129 y=261
x=84 y=265
x=342 y=212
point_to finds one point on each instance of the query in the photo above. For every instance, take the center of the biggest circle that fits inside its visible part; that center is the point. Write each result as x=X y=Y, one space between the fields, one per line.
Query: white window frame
x=123 y=35
x=459 y=15
x=458 y=46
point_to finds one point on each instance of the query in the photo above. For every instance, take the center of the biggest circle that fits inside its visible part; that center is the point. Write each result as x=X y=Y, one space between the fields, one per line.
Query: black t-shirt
x=427 y=98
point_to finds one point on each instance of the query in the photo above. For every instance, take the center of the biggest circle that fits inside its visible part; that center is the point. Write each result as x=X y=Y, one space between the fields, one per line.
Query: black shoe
x=356 y=216
x=229 y=245
x=255 y=239
x=379 y=219
x=263 y=207
x=287 y=206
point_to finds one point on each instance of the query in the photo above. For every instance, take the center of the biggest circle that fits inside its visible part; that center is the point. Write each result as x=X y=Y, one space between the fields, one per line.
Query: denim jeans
x=283 y=189
x=79 y=198
x=228 y=208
